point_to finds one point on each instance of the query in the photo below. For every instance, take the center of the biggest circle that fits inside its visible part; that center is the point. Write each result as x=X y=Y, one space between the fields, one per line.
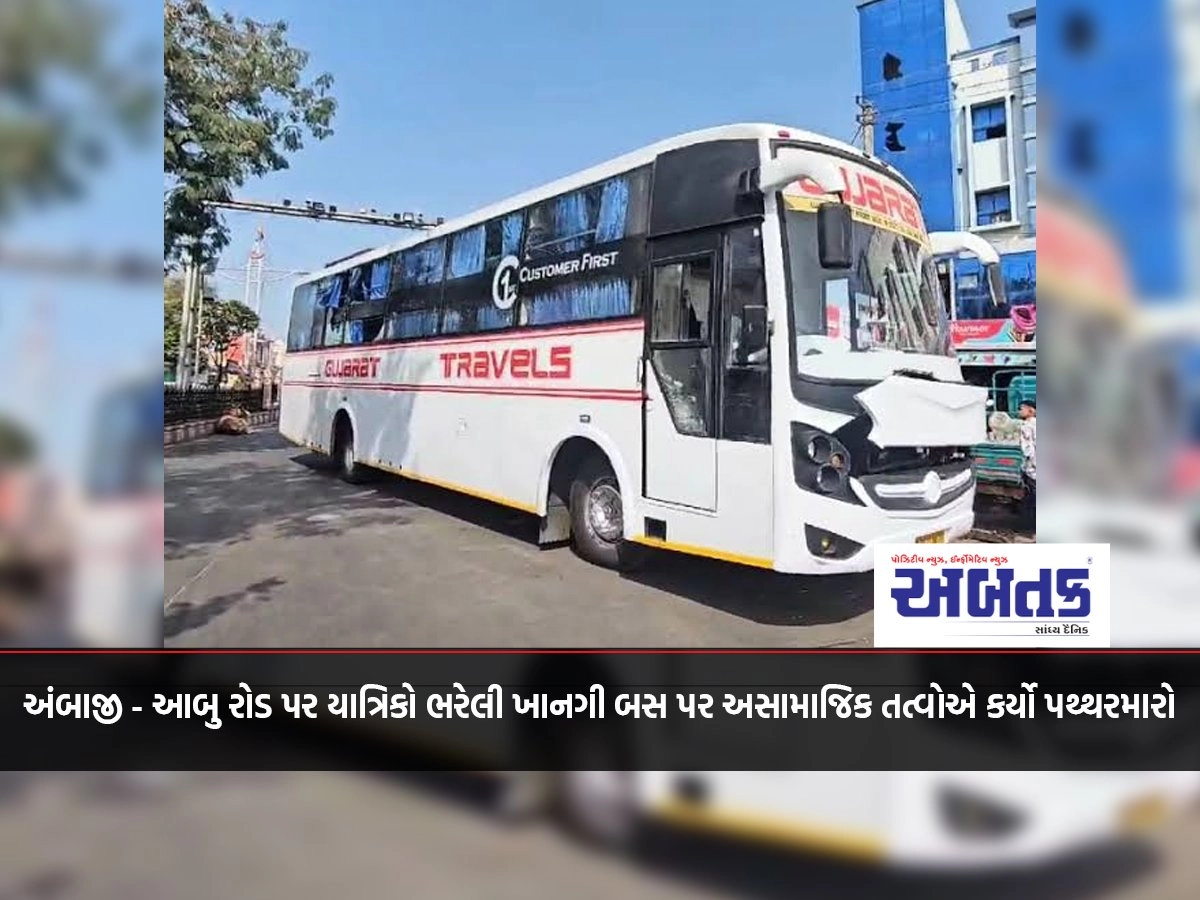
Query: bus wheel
x=595 y=804
x=597 y=516
x=348 y=468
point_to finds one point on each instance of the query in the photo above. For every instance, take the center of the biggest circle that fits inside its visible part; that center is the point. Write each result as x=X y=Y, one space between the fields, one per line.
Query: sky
x=445 y=107
x=93 y=333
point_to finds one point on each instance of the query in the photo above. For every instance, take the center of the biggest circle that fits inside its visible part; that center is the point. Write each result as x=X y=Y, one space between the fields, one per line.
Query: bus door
x=679 y=417
x=708 y=373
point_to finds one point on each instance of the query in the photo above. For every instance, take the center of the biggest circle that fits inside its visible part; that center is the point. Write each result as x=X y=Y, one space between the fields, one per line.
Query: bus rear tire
x=597 y=517
x=344 y=461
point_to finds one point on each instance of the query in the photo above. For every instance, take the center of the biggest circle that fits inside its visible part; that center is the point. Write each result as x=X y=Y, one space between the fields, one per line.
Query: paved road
x=315 y=836
x=264 y=549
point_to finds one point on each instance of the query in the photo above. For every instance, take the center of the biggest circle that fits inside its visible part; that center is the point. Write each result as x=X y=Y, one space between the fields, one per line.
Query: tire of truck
x=597 y=517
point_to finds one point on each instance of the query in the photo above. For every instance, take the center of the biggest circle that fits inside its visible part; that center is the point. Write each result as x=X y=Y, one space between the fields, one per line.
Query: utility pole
x=185 y=322
x=866 y=121
x=199 y=323
x=37 y=372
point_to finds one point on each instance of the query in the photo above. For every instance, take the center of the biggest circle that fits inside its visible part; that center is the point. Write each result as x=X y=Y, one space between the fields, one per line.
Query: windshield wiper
x=915 y=373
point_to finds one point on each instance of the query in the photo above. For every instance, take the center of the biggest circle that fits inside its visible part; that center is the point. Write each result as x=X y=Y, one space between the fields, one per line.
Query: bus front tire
x=597 y=518
x=593 y=793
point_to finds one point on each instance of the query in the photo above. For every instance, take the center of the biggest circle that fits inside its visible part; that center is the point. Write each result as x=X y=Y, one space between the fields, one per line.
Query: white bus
x=731 y=343
x=590 y=775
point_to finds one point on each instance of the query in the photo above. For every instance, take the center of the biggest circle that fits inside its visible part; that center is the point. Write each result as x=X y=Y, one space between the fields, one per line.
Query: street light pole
x=866 y=119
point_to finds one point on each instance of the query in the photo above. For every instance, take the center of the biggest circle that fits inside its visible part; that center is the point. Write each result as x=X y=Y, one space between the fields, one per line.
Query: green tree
x=172 y=309
x=237 y=102
x=17 y=446
x=221 y=322
x=66 y=99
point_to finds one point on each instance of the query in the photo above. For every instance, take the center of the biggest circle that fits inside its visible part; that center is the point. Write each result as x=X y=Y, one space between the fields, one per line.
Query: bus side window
x=564 y=229
x=417 y=274
x=363 y=311
x=474 y=256
x=300 y=325
x=331 y=297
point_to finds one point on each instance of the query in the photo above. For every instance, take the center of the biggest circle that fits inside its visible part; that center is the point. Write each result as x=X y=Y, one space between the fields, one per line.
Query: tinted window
x=421 y=265
x=304 y=309
x=597 y=214
x=466 y=253
x=474 y=255
x=329 y=319
x=581 y=301
x=503 y=238
x=364 y=302
x=445 y=286
x=594 y=219
x=416 y=301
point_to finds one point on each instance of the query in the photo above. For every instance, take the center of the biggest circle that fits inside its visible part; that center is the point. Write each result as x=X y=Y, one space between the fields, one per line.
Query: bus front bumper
x=851 y=533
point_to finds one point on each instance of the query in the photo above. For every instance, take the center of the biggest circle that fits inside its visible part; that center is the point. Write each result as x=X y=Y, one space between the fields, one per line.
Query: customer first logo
x=1017 y=595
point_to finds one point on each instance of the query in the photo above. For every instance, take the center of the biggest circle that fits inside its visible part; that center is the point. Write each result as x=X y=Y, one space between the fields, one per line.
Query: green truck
x=998 y=462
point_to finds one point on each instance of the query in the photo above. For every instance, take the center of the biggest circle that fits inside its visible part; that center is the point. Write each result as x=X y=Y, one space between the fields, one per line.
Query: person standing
x=1028 y=413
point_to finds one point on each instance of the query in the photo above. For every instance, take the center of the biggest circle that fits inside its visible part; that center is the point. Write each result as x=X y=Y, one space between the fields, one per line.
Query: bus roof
x=623 y=163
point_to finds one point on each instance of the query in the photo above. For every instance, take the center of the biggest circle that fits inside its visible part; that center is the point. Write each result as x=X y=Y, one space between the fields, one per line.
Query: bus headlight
x=820 y=449
x=821 y=463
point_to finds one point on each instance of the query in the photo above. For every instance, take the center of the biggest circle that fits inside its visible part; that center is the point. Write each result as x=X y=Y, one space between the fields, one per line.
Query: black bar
x=148 y=740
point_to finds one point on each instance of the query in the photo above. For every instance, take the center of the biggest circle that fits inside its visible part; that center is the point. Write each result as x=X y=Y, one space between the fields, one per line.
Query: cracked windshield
x=890 y=300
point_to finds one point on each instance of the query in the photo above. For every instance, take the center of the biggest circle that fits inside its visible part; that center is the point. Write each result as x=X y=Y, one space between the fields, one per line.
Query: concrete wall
x=190 y=431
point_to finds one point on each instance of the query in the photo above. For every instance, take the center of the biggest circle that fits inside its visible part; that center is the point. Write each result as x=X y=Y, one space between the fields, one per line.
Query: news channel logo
x=998 y=596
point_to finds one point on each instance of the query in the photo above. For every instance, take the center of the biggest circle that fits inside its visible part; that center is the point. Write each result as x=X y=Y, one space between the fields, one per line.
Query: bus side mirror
x=835 y=235
x=753 y=337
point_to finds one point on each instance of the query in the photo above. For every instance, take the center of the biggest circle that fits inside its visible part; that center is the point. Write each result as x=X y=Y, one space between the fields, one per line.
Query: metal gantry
x=189 y=330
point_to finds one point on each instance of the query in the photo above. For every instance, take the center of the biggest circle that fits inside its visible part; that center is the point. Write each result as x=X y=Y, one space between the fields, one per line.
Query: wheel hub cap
x=604 y=512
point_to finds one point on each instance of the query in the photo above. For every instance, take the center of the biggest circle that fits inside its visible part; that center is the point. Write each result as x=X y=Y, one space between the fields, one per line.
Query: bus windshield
x=889 y=300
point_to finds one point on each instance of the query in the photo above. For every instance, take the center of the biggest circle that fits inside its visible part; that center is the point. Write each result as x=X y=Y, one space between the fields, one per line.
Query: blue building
x=960 y=121
x=1119 y=113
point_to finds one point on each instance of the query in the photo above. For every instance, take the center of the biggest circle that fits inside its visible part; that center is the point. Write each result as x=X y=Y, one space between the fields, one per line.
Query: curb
x=190 y=431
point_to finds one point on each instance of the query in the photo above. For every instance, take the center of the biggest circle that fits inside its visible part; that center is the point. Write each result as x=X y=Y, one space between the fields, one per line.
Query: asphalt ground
x=265 y=549
x=270 y=836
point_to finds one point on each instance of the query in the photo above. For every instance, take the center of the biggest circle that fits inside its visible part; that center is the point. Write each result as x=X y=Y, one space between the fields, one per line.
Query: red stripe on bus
x=596 y=394
x=520 y=334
